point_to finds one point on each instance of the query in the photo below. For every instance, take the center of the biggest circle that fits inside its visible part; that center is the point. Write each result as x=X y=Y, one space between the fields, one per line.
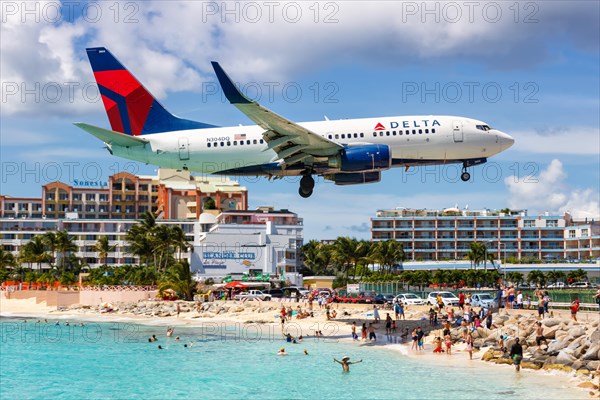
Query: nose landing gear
x=307 y=184
x=465 y=176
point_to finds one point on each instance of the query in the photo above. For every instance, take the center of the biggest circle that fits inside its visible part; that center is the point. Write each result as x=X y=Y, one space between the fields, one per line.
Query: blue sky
x=535 y=75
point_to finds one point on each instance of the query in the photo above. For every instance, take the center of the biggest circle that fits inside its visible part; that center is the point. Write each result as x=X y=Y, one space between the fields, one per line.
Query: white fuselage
x=413 y=140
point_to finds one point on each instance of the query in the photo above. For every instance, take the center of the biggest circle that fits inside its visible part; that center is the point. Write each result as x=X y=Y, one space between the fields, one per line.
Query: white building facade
x=248 y=243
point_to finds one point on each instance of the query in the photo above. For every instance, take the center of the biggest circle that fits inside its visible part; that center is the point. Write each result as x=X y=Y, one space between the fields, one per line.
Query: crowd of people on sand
x=467 y=318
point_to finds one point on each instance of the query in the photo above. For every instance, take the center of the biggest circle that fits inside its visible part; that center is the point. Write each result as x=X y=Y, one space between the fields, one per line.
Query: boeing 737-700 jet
x=347 y=152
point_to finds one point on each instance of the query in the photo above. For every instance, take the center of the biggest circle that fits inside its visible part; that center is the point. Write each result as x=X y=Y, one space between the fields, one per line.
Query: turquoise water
x=115 y=360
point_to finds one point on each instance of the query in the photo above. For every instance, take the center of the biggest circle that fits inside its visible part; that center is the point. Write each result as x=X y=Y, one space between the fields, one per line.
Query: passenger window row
x=406 y=132
x=235 y=143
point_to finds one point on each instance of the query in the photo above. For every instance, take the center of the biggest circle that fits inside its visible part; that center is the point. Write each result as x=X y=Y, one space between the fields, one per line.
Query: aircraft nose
x=504 y=140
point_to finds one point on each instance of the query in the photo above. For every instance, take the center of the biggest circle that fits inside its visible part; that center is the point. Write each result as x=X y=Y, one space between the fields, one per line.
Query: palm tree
x=345 y=254
x=388 y=254
x=179 y=240
x=556 y=276
x=179 y=278
x=515 y=277
x=51 y=241
x=64 y=245
x=103 y=247
x=7 y=259
x=479 y=252
x=537 y=277
x=577 y=275
x=35 y=251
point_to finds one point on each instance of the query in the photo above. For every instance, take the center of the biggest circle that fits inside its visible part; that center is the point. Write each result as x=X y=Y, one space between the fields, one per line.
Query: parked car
x=380 y=299
x=410 y=299
x=276 y=293
x=557 y=285
x=252 y=294
x=368 y=296
x=485 y=300
x=581 y=285
x=448 y=298
x=525 y=286
x=389 y=298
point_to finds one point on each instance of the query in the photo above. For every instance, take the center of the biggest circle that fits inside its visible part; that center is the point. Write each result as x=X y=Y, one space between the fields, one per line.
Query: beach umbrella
x=235 y=284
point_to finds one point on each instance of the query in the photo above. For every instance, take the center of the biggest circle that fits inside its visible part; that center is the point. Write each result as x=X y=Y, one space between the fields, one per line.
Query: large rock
x=565 y=357
x=558 y=367
x=531 y=365
x=576 y=343
x=551 y=322
x=503 y=360
x=550 y=332
x=576 y=331
x=592 y=354
x=587 y=385
x=595 y=336
x=592 y=365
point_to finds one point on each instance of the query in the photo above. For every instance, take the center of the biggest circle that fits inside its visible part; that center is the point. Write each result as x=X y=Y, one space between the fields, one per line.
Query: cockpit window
x=483 y=127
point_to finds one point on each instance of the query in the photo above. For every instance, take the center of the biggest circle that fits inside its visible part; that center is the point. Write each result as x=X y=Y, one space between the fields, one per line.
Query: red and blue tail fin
x=130 y=107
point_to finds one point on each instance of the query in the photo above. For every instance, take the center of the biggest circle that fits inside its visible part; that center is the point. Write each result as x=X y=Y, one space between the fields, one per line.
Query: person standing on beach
x=519 y=300
x=574 y=309
x=414 y=338
x=376 y=313
x=470 y=346
x=516 y=353
x=364 y=332
x=388 y=324
x=397 y=309
x=448 y=342
x=539 y=335
x=420 y=335
x=354 y=335
x=541 y=306
x=346 y=363
x=511 y=297
x=178 y=309
x=372 y=335
x=461 y=300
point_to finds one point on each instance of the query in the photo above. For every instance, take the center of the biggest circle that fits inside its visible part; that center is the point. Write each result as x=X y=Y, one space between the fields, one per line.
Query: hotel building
x=262 y=241
x=168 y=195
x=440 y=235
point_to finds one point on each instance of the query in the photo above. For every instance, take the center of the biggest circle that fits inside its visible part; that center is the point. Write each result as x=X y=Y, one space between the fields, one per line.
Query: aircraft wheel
x=307 y=183
x=465 y=176
x=305 y=194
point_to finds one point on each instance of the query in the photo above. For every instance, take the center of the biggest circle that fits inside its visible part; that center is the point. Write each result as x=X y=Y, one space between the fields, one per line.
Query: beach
x=253 y=316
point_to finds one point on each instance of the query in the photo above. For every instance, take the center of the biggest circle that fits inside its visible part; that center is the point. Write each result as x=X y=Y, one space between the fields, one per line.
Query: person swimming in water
x=345 y=363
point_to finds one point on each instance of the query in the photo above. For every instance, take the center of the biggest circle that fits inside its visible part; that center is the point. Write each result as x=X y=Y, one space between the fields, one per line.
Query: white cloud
x=576 y=140
x=549 y=192
x=169 y=48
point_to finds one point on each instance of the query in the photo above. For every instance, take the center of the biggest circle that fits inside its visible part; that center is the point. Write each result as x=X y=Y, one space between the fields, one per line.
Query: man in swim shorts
x=516 y=353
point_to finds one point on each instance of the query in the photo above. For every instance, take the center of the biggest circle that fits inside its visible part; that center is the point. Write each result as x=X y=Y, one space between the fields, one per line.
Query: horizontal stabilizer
x=112 y=137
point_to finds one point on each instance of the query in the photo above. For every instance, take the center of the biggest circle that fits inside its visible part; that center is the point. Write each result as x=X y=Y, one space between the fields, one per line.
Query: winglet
x=231 y=91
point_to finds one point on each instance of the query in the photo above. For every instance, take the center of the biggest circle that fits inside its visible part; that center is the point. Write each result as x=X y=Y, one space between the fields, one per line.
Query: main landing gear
x=307 y=184
x=465 y=176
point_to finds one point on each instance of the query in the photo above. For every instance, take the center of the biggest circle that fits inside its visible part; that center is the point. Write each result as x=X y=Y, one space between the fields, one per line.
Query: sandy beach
x=266 y=315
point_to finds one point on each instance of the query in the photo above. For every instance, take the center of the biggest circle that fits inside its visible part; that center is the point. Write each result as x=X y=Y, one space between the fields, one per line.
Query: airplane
x=347 y=152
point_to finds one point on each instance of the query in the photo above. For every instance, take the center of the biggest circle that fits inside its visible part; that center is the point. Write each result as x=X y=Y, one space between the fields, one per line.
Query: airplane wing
x=292 y=142
x=112 y=137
